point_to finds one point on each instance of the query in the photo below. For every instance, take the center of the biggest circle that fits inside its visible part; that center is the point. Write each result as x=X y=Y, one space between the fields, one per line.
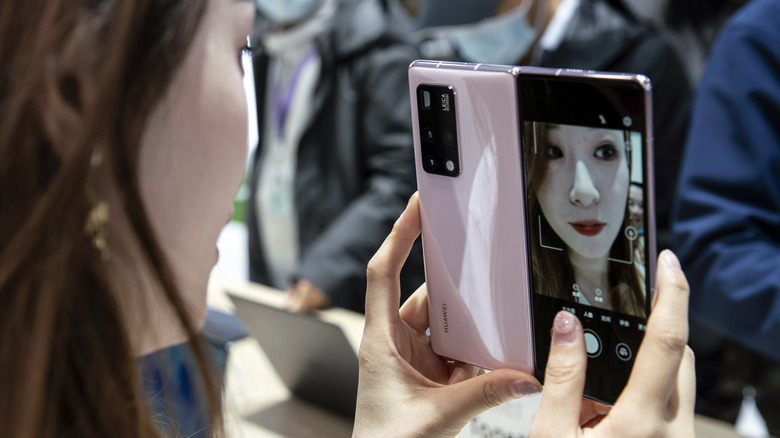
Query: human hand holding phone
x=405 y=389
x=518 y=227
x=659 y=398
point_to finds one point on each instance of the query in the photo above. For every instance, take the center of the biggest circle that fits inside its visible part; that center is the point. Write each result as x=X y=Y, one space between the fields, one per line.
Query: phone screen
x=585 y=148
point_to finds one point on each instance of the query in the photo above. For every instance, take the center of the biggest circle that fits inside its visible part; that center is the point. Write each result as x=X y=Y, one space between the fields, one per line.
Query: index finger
x=383 y=290
x=654 y=375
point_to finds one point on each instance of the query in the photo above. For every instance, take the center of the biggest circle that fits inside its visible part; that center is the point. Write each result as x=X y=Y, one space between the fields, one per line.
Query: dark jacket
x=631 y=47
x=355 y=162
x=726 y=219
x=727 y=216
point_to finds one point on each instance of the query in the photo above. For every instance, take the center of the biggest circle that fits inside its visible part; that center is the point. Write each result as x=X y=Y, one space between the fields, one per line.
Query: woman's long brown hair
x=76 y=76
x=552 y=271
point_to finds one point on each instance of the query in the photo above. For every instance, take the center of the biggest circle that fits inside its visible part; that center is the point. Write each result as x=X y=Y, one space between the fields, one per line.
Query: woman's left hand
x=406 y=389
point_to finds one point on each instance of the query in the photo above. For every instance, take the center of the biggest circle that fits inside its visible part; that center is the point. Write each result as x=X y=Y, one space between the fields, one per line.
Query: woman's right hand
x=659 y=398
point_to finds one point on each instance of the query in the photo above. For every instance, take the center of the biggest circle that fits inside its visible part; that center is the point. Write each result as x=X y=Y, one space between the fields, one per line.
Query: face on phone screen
x=587 y=246
x=585 y=212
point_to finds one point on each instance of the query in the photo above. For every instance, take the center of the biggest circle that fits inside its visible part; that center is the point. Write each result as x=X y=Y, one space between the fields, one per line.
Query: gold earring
x=99 y=211
x=94 y=228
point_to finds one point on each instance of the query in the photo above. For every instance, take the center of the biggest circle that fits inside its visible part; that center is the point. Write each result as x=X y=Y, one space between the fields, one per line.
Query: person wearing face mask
x=334 y=164
x=584 y=34
x=490 y=32
x=287 y=11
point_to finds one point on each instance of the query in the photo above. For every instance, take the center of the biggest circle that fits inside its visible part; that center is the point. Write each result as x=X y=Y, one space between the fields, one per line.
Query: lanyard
x=283 y=102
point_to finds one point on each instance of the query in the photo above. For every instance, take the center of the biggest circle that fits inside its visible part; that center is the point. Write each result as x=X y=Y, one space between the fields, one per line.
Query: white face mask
x=287 y=11
x=498 y=40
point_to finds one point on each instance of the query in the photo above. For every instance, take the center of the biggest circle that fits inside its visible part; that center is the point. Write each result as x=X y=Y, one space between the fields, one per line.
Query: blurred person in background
x=727 y=218
x=584 y=34
x=693 y=26
x=334 y=164
x=690 y=25
x=636 y=210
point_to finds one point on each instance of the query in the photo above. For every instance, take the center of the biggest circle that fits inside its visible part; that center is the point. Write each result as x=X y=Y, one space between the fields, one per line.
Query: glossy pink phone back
x=473 y=227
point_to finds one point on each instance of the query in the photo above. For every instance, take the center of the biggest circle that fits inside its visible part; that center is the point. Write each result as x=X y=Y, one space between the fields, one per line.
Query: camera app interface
x=584 y=182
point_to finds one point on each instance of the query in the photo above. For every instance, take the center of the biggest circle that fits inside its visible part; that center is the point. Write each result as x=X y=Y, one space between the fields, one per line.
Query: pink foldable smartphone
x=536 y=196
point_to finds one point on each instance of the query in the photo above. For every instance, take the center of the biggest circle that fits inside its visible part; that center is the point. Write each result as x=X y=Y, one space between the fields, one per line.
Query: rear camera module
x=438 y=141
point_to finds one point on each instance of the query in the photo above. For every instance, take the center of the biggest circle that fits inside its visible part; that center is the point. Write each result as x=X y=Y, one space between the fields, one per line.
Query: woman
x=636 y=206
x=578 y=182
x=636 y=210
x=122 y=144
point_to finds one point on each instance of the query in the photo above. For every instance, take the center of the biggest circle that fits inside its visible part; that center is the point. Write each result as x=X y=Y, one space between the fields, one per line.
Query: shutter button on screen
x=592 y=343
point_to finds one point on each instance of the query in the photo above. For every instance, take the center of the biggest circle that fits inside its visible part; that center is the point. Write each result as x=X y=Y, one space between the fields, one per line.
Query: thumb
x=469 y=398
x=564 y=380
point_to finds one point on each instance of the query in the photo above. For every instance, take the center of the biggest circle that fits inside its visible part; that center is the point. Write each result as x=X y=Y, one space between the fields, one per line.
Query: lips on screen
x=585 y=189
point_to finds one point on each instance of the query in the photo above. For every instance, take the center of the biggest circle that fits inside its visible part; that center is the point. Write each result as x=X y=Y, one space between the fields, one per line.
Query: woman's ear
x=68 y=82
x=63 y=110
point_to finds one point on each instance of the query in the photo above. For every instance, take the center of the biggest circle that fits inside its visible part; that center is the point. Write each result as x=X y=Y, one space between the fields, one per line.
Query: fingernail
x=411 y=198
x=670 y=260
x=523 y=388
x=564 y=328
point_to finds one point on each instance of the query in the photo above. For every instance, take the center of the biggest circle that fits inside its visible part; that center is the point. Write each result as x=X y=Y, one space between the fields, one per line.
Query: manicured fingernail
x=670 y=259
x=523 y=388
x=564 y=328
x=411 y=198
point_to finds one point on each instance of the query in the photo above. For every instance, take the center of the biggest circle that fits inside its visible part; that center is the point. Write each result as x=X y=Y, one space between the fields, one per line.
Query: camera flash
x=426 y=99
x=450 y=165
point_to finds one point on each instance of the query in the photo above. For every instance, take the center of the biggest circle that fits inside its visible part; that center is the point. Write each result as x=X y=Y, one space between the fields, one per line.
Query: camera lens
x=430 y=162
x=447 y=138
x=427 y=135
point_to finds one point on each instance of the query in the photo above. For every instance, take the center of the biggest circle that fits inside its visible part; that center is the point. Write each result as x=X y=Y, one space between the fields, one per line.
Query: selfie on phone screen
x=580 y=182
x=586 y=179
